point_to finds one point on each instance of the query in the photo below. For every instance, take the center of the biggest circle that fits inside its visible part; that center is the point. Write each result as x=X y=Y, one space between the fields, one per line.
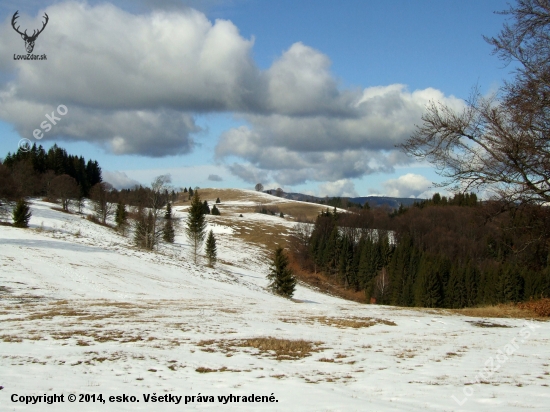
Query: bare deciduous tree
x=64 y=189
x=259 y=187
x=502 y=143
x=158 y=197
x=101 y=196
x=382 y=284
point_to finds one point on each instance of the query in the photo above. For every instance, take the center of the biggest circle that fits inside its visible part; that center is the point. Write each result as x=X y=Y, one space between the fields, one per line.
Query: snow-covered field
x=83 y=312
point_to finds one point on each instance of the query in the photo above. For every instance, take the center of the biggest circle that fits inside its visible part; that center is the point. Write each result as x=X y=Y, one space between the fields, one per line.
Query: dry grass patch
x=267 y=235
x=222 y=369
x=509 y=310
x=486 y=324
x=406 y=353
x=58 y=311
x=11 y=338
x=353 y=322
x=280 y=349
x=229 y=311
x=540 y=307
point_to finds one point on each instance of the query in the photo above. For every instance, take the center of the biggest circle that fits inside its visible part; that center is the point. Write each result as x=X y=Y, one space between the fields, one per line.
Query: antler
x=34 y=33
x=43 y=25
x=42 y=29
x=15 y=16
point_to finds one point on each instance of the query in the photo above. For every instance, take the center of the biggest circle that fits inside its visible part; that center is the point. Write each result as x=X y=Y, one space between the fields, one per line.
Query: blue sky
x=311 y=96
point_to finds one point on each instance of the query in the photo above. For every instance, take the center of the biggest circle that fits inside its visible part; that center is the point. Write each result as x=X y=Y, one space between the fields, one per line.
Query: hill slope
x=84 y=312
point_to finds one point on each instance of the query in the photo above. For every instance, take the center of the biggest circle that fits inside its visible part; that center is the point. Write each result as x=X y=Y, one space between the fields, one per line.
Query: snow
x=83 y=312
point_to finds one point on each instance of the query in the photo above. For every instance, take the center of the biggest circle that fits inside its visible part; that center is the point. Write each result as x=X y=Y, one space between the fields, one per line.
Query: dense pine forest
x=450 y=253
x=55 y=174
x=28 y=173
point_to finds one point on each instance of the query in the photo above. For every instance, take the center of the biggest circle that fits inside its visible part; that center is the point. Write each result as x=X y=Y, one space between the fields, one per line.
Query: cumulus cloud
x=248 y=173
x=343 y=187
x=295 y=149
x=409 y=185
x=119 y=180
x=152 y=132
x=133 y=83
x=215 y=178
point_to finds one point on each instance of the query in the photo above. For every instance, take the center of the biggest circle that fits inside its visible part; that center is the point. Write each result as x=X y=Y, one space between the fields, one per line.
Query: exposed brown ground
x=324 y=283
x=503 y=310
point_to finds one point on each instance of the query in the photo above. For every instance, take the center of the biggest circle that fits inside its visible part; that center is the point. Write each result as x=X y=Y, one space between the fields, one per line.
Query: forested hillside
x=449 y=253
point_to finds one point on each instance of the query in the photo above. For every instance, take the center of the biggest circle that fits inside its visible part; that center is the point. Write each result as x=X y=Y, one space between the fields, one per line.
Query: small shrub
x=541 y=307
x=21 y=214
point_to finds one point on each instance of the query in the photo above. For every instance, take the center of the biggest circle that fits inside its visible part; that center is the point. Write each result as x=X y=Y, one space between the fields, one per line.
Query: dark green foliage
x=215 y=211
x=510 y=285
x=196 y=224
x=444 y=255
x=121 y=217
x=281 y=280
x=86 y=173
x=211 y=249
x=281 y=215
x=218 y=200
x=205 y=208
x=168 y=233
x=21 y=214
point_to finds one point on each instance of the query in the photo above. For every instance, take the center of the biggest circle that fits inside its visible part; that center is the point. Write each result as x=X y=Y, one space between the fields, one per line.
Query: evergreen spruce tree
x=196 y=224
x=363 y=271
x=206 y=208
x=346 y=261
x=511 y=284
x=215 y=211
x=21 y=214
x=211 y=250
x=140 y=230
x=282 y=281
x=455 y=292
x=431 y=286
x=218 y=200
x=168 y=233
x=471 y=285
x=121 y=217
x=331 y=253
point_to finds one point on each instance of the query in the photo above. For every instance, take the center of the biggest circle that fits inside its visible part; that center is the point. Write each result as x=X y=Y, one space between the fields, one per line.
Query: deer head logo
x=29 y=40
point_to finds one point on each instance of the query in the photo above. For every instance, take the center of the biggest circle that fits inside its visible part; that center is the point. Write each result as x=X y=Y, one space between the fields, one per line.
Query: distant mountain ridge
x=373 y=201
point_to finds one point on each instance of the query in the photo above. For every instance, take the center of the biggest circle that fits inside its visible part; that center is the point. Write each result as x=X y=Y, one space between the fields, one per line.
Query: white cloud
x=133 y=83
x=294 y=149
x=119 y=180
x=344 y=188
x=409 y=185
